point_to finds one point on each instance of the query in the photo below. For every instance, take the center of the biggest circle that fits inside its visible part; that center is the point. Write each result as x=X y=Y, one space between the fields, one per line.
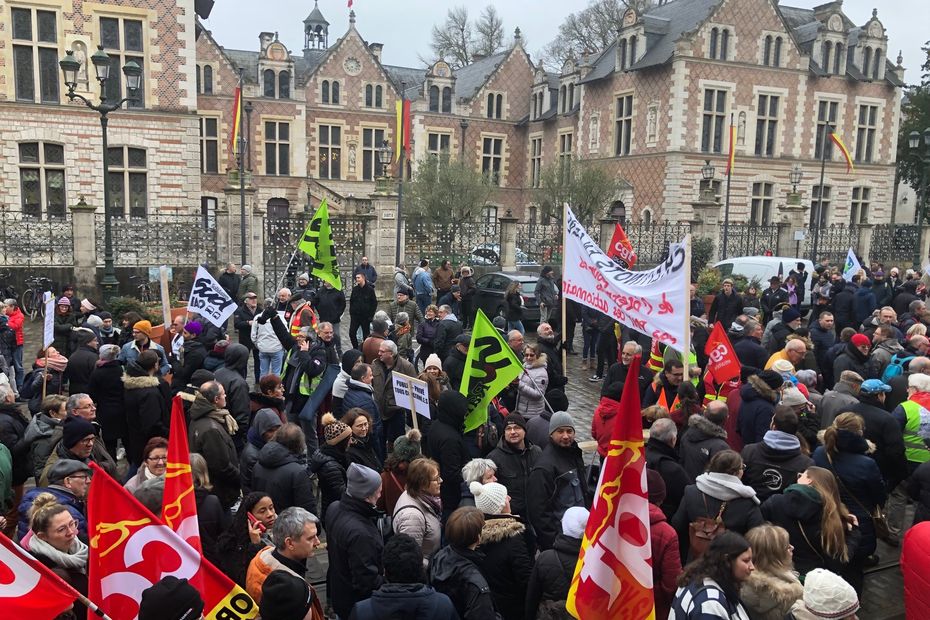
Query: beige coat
x=418 y=520
x=769 y=596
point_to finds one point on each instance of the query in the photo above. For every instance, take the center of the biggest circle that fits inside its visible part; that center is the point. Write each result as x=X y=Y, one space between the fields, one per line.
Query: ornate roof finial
x=517 y=36
x=352 y=17
x=900 y=59
x=874 y=12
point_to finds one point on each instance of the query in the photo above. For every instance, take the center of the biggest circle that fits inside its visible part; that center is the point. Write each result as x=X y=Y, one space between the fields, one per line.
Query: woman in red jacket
x=602 y=423
x=666 y=559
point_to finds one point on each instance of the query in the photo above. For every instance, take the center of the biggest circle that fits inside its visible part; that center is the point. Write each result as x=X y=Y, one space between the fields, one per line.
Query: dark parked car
x=493 y=286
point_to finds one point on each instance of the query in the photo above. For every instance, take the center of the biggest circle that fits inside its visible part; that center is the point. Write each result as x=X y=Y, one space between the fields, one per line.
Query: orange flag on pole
x=179 y=506
x=235 y=123
x=731 y=156
x=845 y=151
x=131 y=550
x=613 y=577
x=722 y=364
x=620 y=247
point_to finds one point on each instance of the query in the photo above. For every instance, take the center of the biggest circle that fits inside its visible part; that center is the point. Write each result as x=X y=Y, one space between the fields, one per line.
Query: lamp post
x=707 y=174
x=133 y=72
x=464 y=126
x=794 y=201
x=913 y=143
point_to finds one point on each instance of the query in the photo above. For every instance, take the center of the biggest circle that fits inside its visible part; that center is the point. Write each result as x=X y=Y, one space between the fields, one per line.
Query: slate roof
x=470 y=78
x=411 y=78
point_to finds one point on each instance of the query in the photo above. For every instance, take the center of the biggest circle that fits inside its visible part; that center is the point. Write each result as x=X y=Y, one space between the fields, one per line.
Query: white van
x=762 y=268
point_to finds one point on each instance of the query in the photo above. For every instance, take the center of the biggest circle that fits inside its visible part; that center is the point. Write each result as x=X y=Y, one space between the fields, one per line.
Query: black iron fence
x=27 y=242
x=651 y=240
x=833 y=242
x=894 y=244
x=746 y=239
x=283 y=263
x=178 y=240
x=475 y=242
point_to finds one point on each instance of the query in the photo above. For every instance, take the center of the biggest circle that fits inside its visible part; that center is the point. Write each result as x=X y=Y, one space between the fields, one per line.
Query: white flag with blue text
x=852 y=266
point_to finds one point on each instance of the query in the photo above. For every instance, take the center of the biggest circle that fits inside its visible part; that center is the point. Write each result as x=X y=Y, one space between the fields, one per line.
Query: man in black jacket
x=242 y=320
x=748 y=348
x=447 y=330
x=83 y=361
x=281 y=471
x=362 y=306
x=662 y=457
x=617 y=371
x=454 y=363
x=354 y=543
x=193 y=353
x=557 y=481
x=548 y=341
x=229 y=280
x=727 y=305
x=331 y=305
x=447 y=445
x=515 y=458
x=775 y=462
x=210 y=435
x=773 y=297
x=232 y=376
x=882 y=430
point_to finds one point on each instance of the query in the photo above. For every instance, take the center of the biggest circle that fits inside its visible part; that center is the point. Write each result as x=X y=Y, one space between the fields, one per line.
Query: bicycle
x=146 y=294
x=33 y=303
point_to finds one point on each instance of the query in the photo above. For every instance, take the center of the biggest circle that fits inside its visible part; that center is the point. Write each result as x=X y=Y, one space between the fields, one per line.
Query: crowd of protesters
x=768 y=493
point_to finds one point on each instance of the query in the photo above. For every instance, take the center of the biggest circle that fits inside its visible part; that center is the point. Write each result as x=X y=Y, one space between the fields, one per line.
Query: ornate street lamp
x=133 y=72
x=707 y=188
x=385 y=155
x=795 y=177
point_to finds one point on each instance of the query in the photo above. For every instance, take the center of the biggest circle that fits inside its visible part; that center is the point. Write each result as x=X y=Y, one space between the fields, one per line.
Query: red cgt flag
x=722 y=364
x=130 y=550
x=620 y=247
x=179 y=506
x=613 y=577
x=29 y=589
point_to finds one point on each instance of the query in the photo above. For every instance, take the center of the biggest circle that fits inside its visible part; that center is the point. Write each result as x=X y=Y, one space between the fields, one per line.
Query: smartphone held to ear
x=254 y=521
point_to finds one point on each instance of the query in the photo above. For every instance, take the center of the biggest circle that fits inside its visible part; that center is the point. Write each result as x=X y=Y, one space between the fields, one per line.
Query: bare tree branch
x=590 y=30
x=453 y=41
x=489 y=31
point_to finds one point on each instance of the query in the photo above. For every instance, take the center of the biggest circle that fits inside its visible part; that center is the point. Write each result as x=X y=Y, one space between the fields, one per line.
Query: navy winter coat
x=756 y=410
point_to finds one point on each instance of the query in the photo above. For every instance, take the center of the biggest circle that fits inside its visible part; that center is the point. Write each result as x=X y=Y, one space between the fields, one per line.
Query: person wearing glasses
x=154 y=463
x=78 y=442
x=69 y=481
x=53 y=540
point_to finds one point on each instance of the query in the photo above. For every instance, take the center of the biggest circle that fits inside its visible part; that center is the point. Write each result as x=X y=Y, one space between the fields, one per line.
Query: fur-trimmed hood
x=762 y=389
x=768 y=594
x=497 y=529
x=138 y=383
x=702 y=425
x=539 y=362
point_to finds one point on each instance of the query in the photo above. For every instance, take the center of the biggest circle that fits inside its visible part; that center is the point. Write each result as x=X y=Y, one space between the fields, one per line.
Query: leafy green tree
x=586 y=186
x=915 y=116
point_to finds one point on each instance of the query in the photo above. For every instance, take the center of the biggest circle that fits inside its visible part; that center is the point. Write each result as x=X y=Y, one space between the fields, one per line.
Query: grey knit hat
x=560 y=419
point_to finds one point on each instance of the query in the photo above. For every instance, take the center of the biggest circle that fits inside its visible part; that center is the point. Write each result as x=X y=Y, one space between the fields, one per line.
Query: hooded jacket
x=329 y=463
x=446 y=443
x=513 y=471
x=146 y=413
x=531 y=389
x=698 y=443
x=248 y=457
x=42 y=433
x=666 y=561
x=212 y=440
x=13 y=435
x=851 y=359
x=355 y=550
x=799 y=510
x=885 y=433
x=552 y=574
x=232 y=377
x=769 y=596
x=602 y=423
x=557 y=482
x=416 y=601
x=360 y=395
x=773 y=463
x=283 y=476
x=506 y=564
x=455 y=572
x=98 y=455
x=758 y=406
x=106 y=389
x=881 y=356
x=864 y=303
x=664 y=459
x=193 y=355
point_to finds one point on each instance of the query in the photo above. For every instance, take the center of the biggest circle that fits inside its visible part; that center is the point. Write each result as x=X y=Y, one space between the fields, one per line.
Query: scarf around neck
x=57 y=362
x=74 y=558
x=724 y=487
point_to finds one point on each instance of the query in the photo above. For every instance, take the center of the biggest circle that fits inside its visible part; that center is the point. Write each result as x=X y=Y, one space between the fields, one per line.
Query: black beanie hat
x=171 y=599
x=772 y=379
x=515 y=418
x=349 y=358
x=454 y=405
x=74 y=430
x=284 y=597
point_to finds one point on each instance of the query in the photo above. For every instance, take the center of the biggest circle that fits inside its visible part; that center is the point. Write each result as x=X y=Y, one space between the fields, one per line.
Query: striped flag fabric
x=845 y=151
x=731 y=156
x=402 y=128
x=235 y=125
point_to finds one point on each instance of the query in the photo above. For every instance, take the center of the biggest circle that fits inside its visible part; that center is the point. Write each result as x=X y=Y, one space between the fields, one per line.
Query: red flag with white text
x=620 y=247
x=179 y=506
x=613 y=576
x=722 y=363
x=29 y=589
x=131 y=550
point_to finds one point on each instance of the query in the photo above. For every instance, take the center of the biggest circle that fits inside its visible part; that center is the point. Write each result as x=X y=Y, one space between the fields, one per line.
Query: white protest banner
x=408 y=390
x=209 y=300
x=165 y=301
x=48 y=333
x=653 y=302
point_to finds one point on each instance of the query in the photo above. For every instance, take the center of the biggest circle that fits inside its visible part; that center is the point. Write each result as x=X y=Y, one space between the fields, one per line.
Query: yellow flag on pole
x=490 y=367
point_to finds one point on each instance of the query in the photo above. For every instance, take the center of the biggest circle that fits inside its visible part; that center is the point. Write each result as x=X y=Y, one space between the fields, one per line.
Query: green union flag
x=317 y=243
x=490 y=367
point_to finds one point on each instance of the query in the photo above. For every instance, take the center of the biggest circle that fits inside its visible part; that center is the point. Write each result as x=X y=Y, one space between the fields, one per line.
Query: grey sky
x=403 y=26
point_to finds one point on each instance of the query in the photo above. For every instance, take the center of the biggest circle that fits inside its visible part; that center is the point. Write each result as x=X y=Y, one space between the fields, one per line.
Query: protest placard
x=412 y=394
x=209 y=300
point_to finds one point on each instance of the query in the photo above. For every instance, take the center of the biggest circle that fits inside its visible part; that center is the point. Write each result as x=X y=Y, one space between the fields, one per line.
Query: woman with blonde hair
x=917 y=329
x=820 y=527
x=845 y=452
x=531 y=389
x=773 y=587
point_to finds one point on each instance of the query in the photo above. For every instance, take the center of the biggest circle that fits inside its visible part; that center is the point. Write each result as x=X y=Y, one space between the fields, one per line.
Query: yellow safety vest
x=914 y=447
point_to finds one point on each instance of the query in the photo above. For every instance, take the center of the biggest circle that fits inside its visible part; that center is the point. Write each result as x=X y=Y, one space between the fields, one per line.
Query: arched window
x=269 y=83
x=825 y=50
x=866 y=61
x=207 y=80
x=623 y=54
x=838 y=68
x=633 y=43
x=877 y=63
x=199 y=89
x=379 y=96
x=490 y=106
x=335 y=92
x=776 y=60
x=714 y=35
x=562 y=99
x=571 y=96
x=447 y=100
x=500 y=107
x=369 y=95
x=724 y=44
x=324 y=91
x=434 y=99
x=647 y=218
x=533 y=108
x=767 y=51
x=284 y=85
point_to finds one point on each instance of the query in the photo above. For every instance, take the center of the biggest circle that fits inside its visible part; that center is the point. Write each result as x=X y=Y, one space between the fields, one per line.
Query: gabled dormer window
x=771 y=51
x=719 y=43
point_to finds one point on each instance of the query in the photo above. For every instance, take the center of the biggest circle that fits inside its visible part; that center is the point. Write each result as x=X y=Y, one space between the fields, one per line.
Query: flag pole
x=93 y=607
x=823 y=166
x=562 y=299
x=726 y=207
x=241 y=144
x=685 y=306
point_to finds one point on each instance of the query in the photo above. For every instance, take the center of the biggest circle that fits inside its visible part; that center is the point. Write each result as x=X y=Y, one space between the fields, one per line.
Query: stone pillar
x=384 y=239
x=865 y=243
x=793 y=222
x=508 y=241
x=786 y=243
x=256 y=239
x=234 y=220
x=608 y=225
x=223 y=232
x=706 y=223
x=83 y=226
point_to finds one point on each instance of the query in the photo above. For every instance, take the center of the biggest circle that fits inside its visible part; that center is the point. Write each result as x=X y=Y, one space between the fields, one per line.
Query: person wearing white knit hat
x=826 y=595
x=490 y=498
x=433 y=361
